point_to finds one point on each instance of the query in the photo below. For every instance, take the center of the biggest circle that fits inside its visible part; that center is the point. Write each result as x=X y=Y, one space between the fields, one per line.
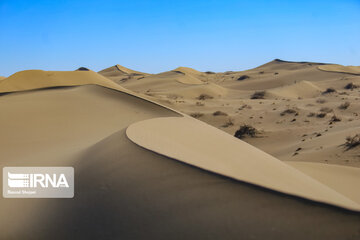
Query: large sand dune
x=143 y=170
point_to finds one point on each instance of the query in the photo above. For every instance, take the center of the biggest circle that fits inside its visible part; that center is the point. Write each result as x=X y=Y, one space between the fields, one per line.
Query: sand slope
x=339 y=178
x=35 y=79
x=303 y=89
x=230 y=157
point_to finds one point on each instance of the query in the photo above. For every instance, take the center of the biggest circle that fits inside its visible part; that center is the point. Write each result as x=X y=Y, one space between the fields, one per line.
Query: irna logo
x=38 y=182
x=18 y=180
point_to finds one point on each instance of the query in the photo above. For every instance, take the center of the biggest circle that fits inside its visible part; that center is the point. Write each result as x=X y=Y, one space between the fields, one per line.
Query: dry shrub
x=220 y=113
x=344 y=105
x=196 y=114
x=350 y=86
x=321 y=100
x=321 y=115
x=258 y=95
x=289 y=111
x=246 y=130
x=243 y=77
x=334 y=119
x=204 y=97
x=245 y=106
x=329 y=90
x=352 y=142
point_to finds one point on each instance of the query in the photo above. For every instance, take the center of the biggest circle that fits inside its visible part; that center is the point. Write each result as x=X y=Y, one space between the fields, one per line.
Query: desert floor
x=295 y=117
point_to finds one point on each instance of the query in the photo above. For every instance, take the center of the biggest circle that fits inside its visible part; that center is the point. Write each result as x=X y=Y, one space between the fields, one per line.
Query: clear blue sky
x=159 y=35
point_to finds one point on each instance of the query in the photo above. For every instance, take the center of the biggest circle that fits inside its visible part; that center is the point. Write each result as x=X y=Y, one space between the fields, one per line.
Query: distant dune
x=341 y=69
x=144 y=170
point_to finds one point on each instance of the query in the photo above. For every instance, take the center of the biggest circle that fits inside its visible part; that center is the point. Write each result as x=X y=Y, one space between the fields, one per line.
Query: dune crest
x=198 y=144
x=37 y=79
x=340 y=69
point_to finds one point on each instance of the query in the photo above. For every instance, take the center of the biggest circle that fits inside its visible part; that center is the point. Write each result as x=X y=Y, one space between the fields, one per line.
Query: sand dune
x=303 y=89
x=36 y=79
x=341 y=69
x=2 y=78
x=241 y=161
x=141 y=165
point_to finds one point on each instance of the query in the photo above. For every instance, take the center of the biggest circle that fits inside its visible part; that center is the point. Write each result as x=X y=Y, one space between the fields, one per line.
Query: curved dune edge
x=343 y=179
x=340 y=69
x=39 y=79
x=198 y=144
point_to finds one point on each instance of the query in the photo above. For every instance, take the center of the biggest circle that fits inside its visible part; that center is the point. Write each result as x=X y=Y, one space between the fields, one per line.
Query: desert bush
x=325 y=109
x=344 y=105
x=258 y=95
x=209 y=72
x=245 y=106
x=289 y=111
x=321 y=115
x=350 y=86
x=246 y=130
x=329 y=90
x=334 y=119
x=220 y=113
x=243 y=77
x=204 y=97
x=196 y=114
x=352 y=142
x=321 y=100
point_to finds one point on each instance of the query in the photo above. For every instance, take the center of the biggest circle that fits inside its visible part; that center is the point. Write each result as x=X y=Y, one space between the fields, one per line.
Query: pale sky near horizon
x=159 y=35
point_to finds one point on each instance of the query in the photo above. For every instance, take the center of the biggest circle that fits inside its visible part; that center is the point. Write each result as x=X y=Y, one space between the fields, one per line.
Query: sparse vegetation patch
x=243 y=77
x=329 y=90
x=352 y=142
x=289 y=111
x=220 y=113
x=246 y=131
x=196 y=114
x=344 y=105
x=258 y=95
x=204 y=97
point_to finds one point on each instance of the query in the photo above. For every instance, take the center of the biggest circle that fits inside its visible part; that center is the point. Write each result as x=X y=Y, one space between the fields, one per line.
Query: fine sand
x=145 y=171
